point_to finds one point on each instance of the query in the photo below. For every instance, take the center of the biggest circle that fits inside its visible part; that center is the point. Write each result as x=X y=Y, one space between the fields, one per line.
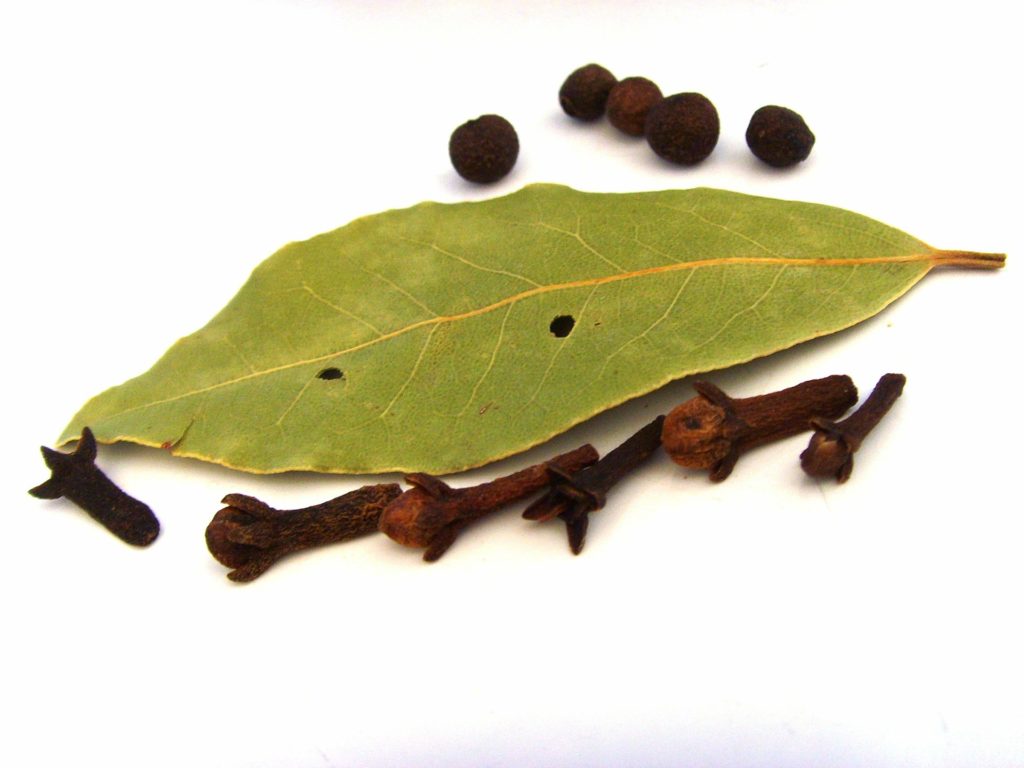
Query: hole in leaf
x=330 y=374
x=562 y=326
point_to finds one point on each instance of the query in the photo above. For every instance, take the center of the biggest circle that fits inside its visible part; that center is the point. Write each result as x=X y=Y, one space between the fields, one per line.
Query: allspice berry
x=779 y=136
x=584 y=93
x=683 y=128
x=485 y=149
x=629 y=102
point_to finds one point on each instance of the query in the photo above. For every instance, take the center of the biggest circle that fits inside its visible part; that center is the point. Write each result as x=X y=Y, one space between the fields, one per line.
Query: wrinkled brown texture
x=484 y=150
x=250 y=536
x=712 y=430
x=584 y=93
x=432 y=514
x=779 y=136
x=629 y=102
x=830 y=451
x=683 y=128
x=573 y=496
x=77 y=478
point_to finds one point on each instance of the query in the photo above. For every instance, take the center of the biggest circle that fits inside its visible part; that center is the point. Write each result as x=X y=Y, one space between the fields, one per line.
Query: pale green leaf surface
x=439 y=316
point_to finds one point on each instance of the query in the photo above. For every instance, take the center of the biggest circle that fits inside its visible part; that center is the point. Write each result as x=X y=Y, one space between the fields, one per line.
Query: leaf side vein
x=587 y=246
x=469 y=263
x=412 y=373
x=401 y=290
x=723 y=227
x=307 y=288
x=643 y=334
x=752 y=307
x=490 y=363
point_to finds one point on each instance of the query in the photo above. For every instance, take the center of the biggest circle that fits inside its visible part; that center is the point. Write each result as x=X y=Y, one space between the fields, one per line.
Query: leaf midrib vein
x=540 y=290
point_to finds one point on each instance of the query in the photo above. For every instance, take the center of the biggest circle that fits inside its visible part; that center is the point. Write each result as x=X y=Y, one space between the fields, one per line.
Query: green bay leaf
x=442 y=337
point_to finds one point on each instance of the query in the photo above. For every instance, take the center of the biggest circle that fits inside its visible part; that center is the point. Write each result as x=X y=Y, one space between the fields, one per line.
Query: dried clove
x=712 y=430
x=77 y=478
x=573 y=496
x=833 y=443
x=432 y=514
x=250 y=536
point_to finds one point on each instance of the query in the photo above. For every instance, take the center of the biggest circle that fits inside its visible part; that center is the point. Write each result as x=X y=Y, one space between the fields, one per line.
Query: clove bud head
x=414 y=518
x=827 y=455
x=698 y=434
x=219 y=535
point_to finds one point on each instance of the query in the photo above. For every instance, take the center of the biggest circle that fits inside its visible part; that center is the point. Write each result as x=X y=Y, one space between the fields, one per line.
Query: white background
x=154 y=153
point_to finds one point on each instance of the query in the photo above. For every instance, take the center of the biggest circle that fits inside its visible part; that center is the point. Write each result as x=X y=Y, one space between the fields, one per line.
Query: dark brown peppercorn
x=584 y=93
x=779 y=136
x=683 y=128
x=485 y=149
x=629 y=102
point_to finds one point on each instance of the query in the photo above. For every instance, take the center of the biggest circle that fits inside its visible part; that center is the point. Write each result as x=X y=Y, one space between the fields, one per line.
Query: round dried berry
x=779 y=136
x=485 y=149
x=585 y=92
x=683 y=128
x=629 y=102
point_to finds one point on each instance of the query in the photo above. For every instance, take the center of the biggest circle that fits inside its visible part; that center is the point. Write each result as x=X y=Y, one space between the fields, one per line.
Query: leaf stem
x=969 y=259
